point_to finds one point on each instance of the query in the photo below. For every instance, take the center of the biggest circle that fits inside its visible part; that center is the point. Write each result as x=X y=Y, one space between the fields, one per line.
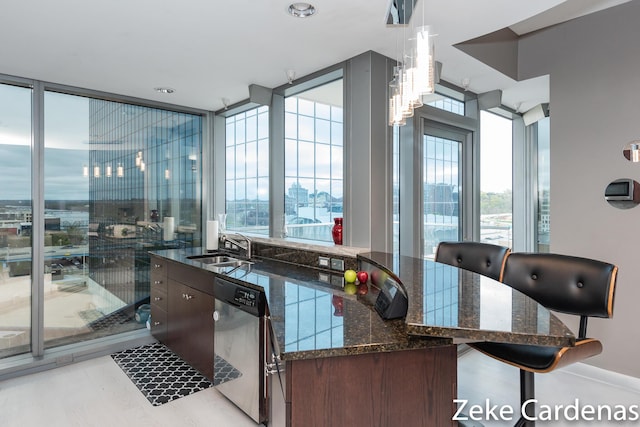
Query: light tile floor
x=97 y=393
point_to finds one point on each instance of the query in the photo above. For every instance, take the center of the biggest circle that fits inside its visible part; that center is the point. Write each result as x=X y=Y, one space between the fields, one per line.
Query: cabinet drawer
x=158 y=323
x=158 y=266
x=159 y=297
x=158 y=282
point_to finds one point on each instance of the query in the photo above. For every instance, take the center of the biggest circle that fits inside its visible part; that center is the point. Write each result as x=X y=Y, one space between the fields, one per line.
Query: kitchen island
x=337 y=361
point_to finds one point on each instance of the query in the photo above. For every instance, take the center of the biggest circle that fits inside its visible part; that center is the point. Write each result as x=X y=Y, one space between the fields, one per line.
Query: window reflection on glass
x=442 y=188
x=247 y=176
x=314 y=161
x=15 y=220
x=312 y=322
x=99 y=228
x=440 y=299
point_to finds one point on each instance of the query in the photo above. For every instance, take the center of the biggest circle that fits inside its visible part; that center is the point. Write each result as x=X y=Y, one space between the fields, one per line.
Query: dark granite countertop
x=445 y=301
x=311 y=314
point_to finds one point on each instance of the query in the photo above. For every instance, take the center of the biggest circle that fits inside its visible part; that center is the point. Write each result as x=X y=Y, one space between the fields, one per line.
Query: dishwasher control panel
x=252 y=301
x=246 y=297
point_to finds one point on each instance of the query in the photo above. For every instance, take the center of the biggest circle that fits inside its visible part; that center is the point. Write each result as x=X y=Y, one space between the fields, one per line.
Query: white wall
x=594 y=68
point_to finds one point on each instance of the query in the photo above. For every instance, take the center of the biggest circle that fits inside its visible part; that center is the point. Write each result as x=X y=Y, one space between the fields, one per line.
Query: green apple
x=350 y=276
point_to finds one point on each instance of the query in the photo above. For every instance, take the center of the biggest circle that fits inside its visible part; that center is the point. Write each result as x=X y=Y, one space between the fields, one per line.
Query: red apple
x=362 y=276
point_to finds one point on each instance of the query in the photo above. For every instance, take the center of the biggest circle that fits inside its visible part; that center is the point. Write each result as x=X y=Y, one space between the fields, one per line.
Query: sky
x=495 y=154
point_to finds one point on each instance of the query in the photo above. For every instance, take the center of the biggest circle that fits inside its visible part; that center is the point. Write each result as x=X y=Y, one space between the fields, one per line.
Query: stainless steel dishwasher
x=242 y=347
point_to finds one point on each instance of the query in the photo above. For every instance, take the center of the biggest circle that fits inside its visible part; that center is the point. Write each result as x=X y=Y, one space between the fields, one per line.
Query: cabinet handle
x=157 y=298
x=157 y=265
x=187 y=296
x=157 y=282
x=156 y=323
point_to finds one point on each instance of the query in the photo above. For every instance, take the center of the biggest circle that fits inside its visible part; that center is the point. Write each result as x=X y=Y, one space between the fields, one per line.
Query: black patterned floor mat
x=162 y=376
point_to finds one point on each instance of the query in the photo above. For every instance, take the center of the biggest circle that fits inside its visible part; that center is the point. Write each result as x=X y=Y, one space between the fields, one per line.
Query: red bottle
x=336 y=231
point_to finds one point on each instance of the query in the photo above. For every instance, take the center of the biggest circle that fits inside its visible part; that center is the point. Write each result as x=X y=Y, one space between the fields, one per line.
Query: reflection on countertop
x=445 y=301
x=311 y=314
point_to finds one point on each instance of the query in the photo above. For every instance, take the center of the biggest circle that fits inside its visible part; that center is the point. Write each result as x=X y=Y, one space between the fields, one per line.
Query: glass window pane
x=496 y=206
x=323 y=111
x=16 y=214
x=291 y=157
x=336 y=162
x=251 y=128
x=252 y=159
x=291 y=105
x=448 y=104
x=126 y=169
x=263 y=124
x=247 y=201
x=544 y=173
x=263 y=158
x=306 y=128
x=306 y=159
x=240 y=131
x=323 y=161
x=313 y=163
x=336 y=133
x=323 y=131
x=240 y=161
x=306 y=107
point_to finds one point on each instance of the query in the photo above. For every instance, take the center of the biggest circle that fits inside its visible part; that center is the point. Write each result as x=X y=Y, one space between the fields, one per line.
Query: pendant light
x=414 y=77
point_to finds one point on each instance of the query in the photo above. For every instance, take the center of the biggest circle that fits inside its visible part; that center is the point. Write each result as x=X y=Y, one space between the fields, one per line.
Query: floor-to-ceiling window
x=15 y=220
x=314 y=161
x=247 y=171
x=118 y=181
x=496 y=203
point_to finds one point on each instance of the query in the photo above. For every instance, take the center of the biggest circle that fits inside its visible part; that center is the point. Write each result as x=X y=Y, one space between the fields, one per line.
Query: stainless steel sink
x=217 y=259
x=213 y=259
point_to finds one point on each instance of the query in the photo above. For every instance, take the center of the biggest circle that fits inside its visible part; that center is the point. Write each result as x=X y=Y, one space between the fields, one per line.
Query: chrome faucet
x=247 y=242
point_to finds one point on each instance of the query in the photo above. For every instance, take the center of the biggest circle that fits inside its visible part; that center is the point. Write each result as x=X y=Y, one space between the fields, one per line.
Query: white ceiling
x=209 y=50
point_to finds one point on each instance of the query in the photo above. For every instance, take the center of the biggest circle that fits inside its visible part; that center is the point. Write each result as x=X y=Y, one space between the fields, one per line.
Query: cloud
x=63 y=173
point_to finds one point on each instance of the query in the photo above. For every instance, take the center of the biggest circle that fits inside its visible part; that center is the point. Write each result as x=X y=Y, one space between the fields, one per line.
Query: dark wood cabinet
x=182 y=311
x=411 y=388
x=190 y=333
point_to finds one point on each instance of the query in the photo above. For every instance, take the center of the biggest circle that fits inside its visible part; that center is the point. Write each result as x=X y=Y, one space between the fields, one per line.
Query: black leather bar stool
x=482 y=258
x=578 y=286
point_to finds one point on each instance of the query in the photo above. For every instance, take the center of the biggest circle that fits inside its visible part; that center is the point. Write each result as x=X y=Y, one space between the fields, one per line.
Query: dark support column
x=527 y=391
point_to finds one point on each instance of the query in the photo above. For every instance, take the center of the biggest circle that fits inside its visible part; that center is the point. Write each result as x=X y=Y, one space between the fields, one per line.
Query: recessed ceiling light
x=164 y=90
x=301 y=10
